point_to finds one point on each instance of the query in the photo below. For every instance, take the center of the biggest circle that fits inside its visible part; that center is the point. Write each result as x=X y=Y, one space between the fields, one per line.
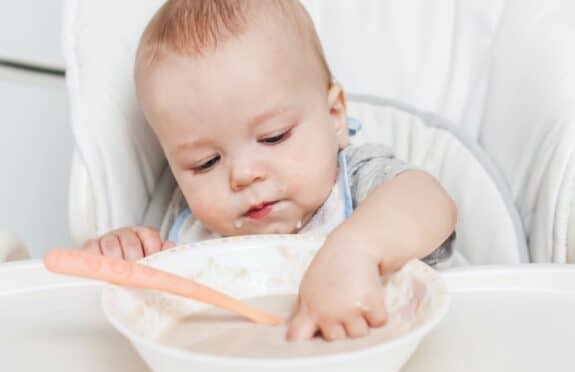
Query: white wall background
x=30 y=31
x=35 y=139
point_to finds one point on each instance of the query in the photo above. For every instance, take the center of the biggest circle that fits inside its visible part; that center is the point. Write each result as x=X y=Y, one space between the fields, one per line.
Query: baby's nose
x=244 y=174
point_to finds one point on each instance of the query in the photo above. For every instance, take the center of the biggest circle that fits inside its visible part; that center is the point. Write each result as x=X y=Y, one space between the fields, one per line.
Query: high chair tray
x=54 y=323
x=515 y=318
x=501 y=319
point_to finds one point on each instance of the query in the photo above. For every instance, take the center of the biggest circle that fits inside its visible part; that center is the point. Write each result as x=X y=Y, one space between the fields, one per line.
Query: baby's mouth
x=261 y=210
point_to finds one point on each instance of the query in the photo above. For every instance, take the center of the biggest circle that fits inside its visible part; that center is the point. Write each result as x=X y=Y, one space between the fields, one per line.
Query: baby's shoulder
x=356 y=154
x=368 y=165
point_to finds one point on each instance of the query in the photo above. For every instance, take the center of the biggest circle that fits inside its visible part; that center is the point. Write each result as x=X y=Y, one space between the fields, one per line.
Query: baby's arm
x=131 y=243
x=403 y=218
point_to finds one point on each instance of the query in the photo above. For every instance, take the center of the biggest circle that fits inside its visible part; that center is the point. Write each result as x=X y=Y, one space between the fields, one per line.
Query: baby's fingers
x=356 y=326
x=92 y=246
x=110 y=246
x=150 y=239
x=302 y=326
x=332 y=331
x=376 y=315
x=131 y=244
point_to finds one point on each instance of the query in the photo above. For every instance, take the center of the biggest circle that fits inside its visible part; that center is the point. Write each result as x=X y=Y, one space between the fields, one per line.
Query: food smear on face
x=238 y=223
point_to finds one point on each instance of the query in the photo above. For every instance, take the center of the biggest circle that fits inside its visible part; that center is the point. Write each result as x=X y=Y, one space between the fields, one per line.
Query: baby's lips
x=260 y=210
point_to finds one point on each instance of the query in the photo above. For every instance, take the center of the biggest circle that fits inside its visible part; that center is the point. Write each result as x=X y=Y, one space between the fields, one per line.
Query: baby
x=255 y=131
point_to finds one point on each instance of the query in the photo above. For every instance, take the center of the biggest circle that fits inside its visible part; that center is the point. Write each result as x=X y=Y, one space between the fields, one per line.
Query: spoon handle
x=131 y=274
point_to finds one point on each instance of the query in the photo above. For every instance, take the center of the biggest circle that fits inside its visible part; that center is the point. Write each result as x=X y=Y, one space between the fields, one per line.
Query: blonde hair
x=192 y=27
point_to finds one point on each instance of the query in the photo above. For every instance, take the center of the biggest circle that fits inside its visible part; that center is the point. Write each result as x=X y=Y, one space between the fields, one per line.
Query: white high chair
x=500 y=71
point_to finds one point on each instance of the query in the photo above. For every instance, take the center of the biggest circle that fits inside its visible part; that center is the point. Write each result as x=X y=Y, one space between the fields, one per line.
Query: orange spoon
x=131 y=274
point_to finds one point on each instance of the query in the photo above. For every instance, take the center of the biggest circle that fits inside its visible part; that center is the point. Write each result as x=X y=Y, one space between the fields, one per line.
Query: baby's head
x=242 y=101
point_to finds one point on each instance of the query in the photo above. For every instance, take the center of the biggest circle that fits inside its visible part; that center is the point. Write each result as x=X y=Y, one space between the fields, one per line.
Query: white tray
x=501 y=319
x=504 y=319
x=55 y=323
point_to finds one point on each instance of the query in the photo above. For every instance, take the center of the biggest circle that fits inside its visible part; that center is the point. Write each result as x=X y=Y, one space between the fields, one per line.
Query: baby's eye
x=207 y=165
x=275 y=139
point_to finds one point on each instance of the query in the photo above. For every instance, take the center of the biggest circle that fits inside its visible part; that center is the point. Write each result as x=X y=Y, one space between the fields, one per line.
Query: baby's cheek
x=295 y=176
x=306 y=189
x=319 y=172
x=207 y=209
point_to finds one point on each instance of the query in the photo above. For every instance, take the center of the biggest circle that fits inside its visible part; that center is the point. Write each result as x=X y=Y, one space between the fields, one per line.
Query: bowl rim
x=417 y=333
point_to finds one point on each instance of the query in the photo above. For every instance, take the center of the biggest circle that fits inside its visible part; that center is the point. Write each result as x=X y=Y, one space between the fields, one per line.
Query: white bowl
x=251 y=266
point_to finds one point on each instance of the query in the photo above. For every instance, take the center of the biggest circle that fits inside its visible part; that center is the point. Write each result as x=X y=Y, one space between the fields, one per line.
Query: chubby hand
x=341 y=294
x=131 y=243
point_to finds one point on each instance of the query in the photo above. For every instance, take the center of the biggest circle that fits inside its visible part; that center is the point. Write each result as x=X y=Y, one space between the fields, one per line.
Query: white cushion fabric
x=433 y=54
x=528 y=124
x=118 y=157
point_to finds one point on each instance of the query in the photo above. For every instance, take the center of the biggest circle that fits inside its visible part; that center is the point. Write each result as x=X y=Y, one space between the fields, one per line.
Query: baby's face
x=251 y=132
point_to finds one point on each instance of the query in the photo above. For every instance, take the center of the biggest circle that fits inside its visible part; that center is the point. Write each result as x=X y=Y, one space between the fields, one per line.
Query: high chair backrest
x=499 y=70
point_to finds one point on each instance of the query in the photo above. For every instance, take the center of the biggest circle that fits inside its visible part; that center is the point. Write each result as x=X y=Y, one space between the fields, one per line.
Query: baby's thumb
x=302 y=326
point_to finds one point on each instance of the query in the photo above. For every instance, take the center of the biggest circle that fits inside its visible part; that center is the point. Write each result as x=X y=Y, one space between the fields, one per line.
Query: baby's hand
x=131 y=243
x=341 y=294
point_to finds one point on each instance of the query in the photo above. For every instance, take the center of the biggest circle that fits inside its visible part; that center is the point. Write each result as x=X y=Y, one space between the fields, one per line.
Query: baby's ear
x=338 y=112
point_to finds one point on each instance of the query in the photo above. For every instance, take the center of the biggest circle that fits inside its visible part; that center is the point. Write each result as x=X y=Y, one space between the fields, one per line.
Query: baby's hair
x=192 y=27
